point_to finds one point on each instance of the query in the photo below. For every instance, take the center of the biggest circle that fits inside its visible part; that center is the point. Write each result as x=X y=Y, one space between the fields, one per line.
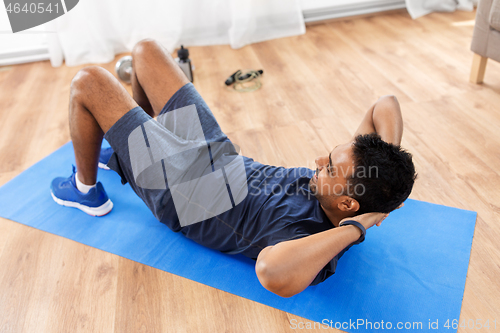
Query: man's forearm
x=287 y=268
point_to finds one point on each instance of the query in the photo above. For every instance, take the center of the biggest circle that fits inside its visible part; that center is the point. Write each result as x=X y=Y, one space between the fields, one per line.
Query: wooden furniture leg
x=478 y=68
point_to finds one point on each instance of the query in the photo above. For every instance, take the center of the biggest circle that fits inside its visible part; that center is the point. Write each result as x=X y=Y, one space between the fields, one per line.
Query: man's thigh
x=157 y=72
x=101 y=94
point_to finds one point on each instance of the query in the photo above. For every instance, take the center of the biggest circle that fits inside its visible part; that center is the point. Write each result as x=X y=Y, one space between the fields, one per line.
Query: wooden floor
x=316 y=89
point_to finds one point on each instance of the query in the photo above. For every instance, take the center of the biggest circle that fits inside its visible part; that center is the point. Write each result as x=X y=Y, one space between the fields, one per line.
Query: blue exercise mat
x=408 y=274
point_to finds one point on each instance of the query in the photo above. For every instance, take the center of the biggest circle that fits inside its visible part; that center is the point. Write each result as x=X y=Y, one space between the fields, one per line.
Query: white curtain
x=95 y=30
x=418 y=8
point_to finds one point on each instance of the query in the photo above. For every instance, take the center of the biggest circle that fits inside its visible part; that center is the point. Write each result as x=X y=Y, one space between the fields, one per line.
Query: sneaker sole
x=103 y=166
x=94 y=211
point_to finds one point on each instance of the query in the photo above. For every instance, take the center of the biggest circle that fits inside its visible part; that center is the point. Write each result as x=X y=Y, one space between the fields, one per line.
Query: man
x=286 y=219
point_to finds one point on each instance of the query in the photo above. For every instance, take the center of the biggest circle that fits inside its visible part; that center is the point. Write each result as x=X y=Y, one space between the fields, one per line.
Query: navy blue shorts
x=167 y=134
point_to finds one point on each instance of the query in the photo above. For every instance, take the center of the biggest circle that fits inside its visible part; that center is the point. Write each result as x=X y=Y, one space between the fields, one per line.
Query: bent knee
x=145 y=46
x=87 y=76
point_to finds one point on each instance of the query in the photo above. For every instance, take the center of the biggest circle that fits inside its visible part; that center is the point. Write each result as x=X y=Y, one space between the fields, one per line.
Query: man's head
x=365 y=175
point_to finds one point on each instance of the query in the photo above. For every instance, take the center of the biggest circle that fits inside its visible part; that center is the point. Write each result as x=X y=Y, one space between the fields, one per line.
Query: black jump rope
x=240 y=81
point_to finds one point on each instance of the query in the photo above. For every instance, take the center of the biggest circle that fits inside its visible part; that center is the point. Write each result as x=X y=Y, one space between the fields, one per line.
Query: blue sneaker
x=104 y=157
x=65 y=193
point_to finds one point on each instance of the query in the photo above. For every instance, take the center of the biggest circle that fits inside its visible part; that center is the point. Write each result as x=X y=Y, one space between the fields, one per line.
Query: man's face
x=332 y=171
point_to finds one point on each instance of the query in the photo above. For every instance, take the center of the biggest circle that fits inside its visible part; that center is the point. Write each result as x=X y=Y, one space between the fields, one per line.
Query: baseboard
x=24 y=55
x=352 y=10
x=354 y=17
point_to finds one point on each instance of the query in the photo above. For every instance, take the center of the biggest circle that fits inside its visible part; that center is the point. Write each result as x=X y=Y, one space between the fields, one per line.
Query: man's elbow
x=388 y=102
x=389 y=97
x=273 y=281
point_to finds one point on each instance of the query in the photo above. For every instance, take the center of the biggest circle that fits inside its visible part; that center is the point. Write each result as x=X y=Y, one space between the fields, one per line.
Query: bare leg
x=156 y=76
x=97 y=101
x=139 y=94
x=86 y=135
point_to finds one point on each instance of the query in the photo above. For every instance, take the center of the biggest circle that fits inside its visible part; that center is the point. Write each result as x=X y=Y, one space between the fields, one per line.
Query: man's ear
x=348 y=204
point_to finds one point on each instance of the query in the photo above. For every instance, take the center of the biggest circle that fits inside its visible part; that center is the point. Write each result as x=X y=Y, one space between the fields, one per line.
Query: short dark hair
x=393 y=177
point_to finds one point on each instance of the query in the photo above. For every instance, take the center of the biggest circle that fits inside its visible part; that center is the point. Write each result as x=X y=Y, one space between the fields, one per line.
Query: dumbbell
x=123 y=69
